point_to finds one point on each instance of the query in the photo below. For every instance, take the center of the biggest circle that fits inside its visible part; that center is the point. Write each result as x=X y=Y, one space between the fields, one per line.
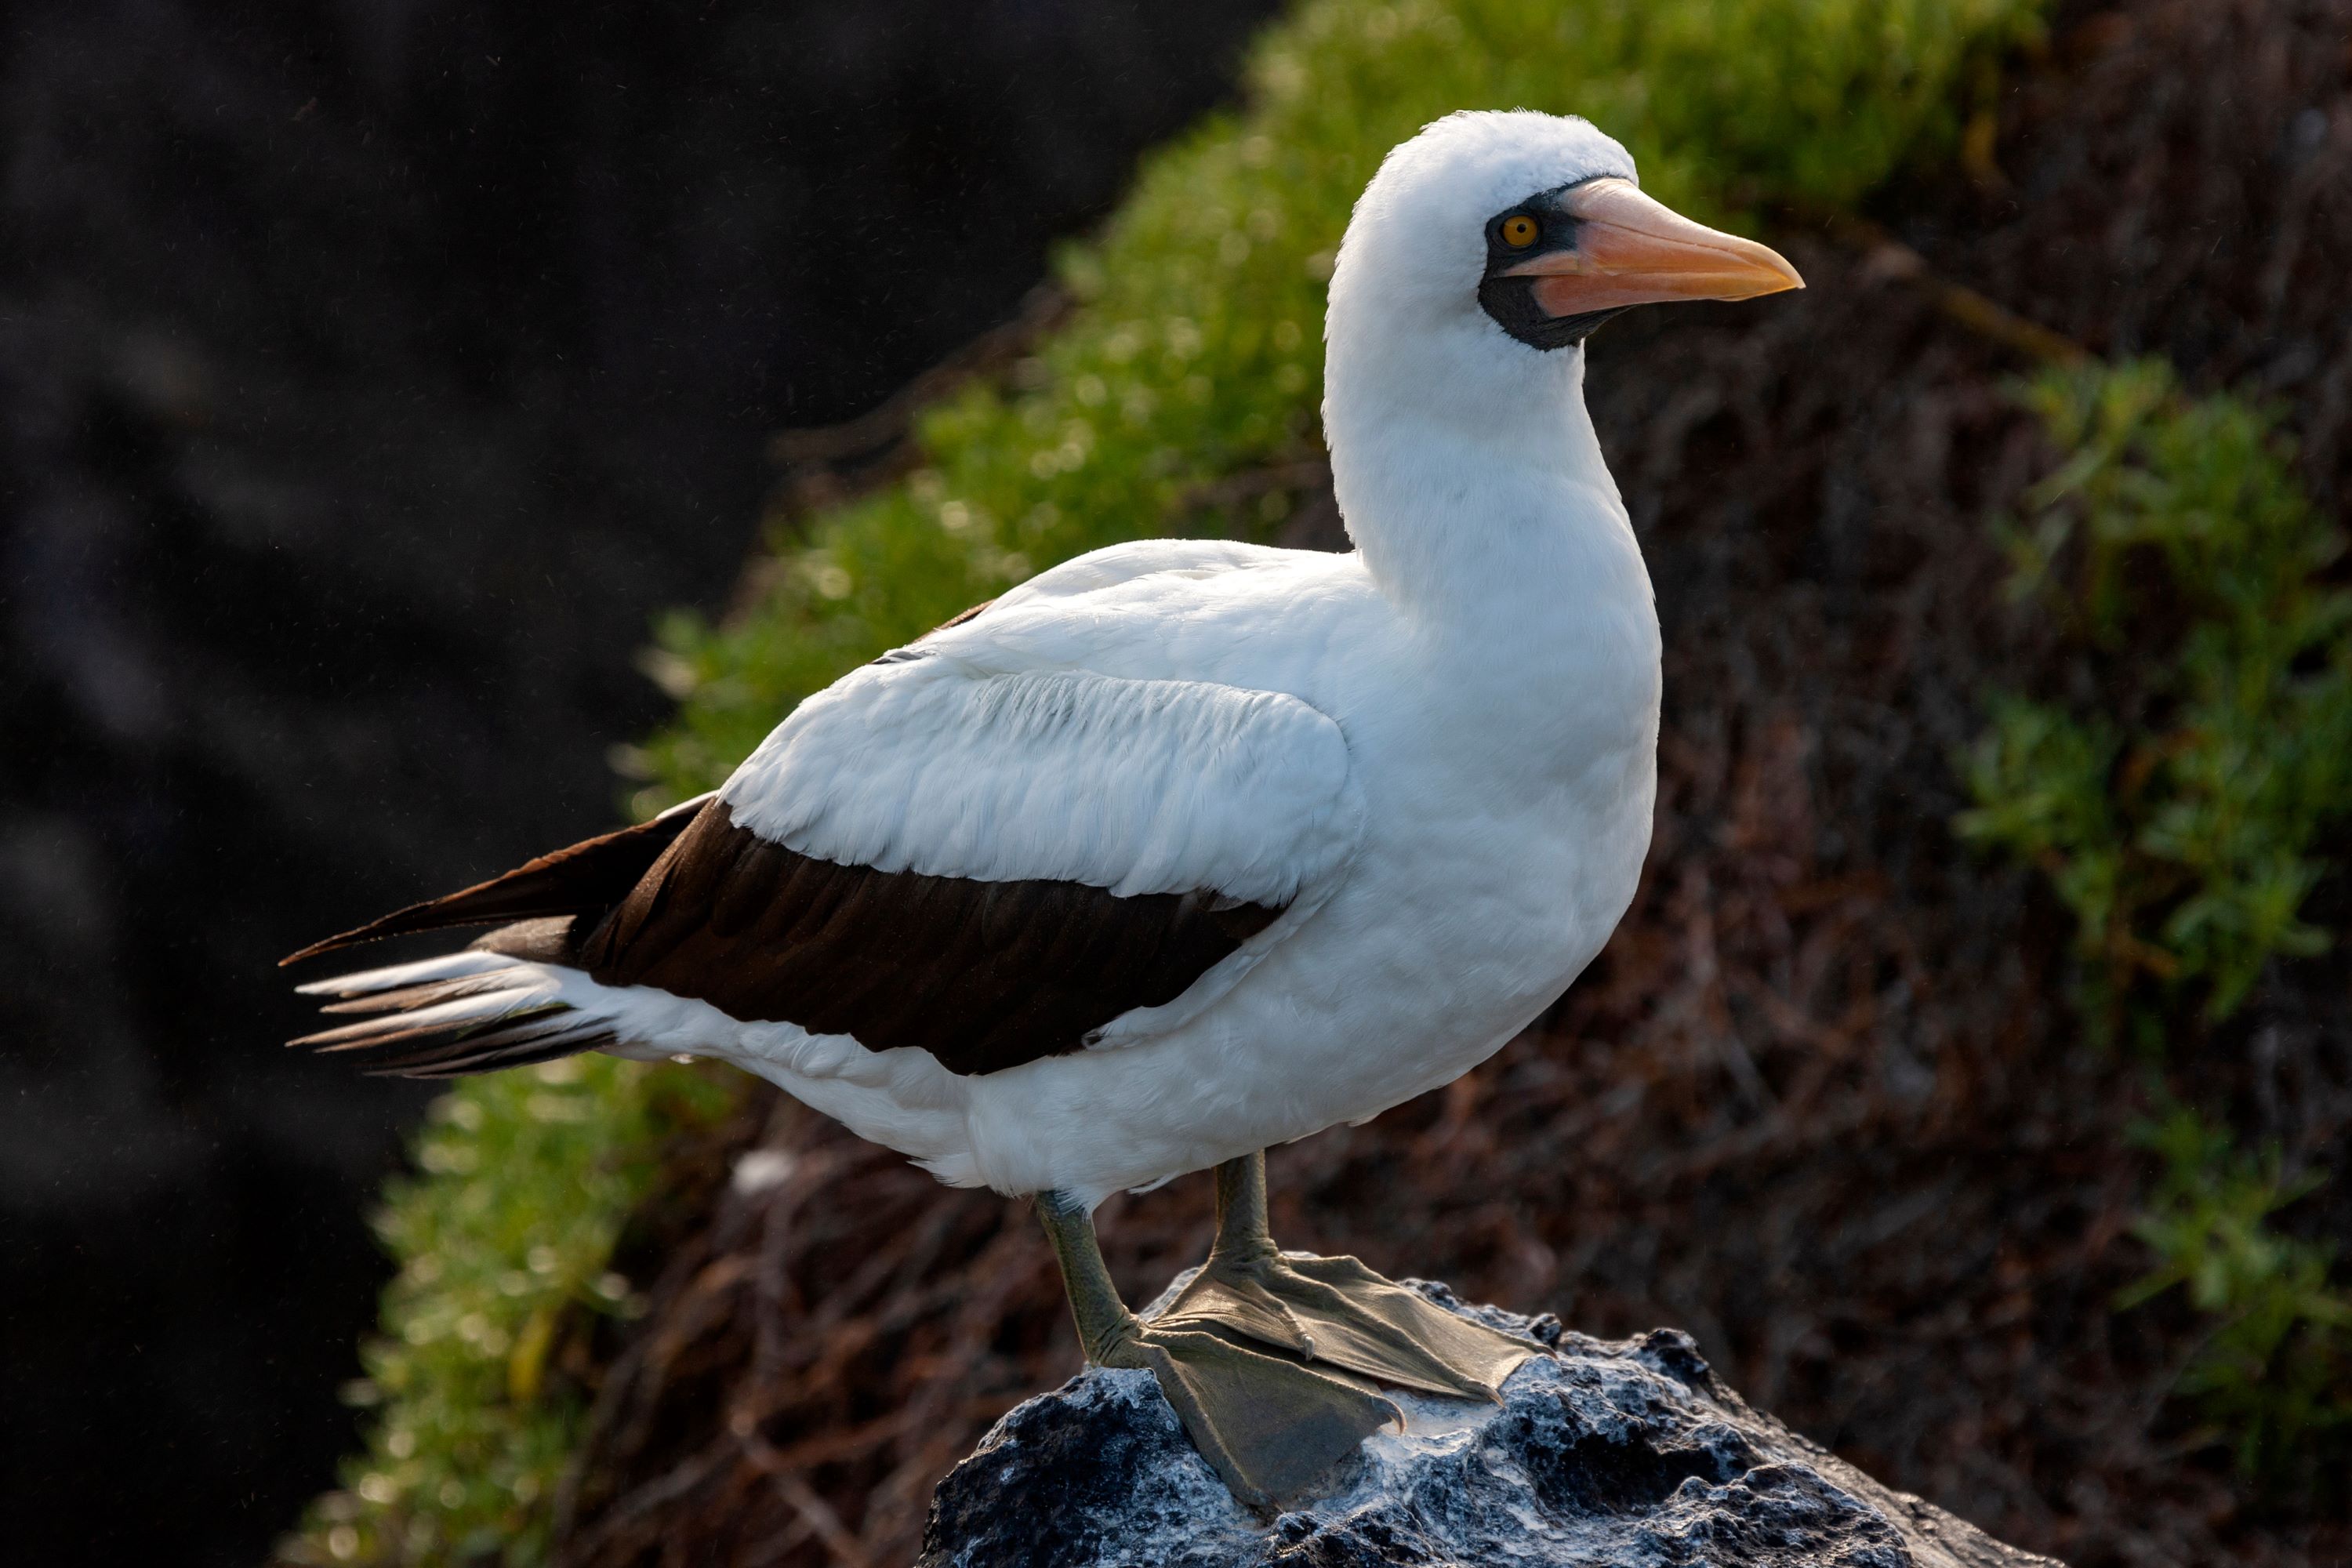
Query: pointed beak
x=1631 y=250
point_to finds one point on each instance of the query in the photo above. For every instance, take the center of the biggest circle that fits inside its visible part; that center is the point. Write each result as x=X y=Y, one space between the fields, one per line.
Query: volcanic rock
x=1630 y=1454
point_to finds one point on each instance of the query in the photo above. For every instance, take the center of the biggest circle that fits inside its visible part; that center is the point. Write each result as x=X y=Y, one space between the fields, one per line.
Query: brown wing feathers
x=983 y=976
x=585 y=879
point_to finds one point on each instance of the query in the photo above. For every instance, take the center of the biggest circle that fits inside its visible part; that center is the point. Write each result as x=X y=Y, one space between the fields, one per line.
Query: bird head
x=1490 y=240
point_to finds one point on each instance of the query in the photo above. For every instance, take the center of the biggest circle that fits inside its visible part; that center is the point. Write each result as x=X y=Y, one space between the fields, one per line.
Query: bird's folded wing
x=995 y=867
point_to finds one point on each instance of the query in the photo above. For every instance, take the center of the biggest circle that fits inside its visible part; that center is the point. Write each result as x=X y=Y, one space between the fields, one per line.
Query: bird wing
x=994 y=865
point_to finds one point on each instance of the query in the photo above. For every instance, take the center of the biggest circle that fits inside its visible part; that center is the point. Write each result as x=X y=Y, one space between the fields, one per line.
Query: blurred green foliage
x=2276 y=1372
x=2179 y=828
x=1194 y=355
x=1194 y=352
x=2180 y=811
x=505 y=1243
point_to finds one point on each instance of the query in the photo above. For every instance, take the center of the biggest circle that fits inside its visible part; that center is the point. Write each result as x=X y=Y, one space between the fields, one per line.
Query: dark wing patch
x=583 y=879
x=983 y=976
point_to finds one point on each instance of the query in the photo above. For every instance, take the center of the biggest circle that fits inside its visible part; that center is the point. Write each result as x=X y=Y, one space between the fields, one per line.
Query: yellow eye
x=1518 y=231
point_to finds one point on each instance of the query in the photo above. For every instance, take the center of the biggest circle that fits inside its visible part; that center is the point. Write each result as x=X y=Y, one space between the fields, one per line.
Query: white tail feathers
x=447 y=966
x=462 y=1013
x=477 y=1011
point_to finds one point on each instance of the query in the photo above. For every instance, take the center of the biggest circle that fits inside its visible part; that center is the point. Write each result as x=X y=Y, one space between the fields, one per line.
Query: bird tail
x=507 y=1000
x=473 y=1011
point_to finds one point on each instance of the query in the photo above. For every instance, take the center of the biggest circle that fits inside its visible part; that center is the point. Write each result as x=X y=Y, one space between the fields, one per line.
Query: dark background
x=371 y=372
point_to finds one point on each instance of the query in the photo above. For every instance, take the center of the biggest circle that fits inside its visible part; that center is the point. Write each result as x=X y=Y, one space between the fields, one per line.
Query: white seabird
x=1185 y=847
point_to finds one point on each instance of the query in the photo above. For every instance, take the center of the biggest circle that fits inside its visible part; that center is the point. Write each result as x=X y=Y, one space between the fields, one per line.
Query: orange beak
x=1631 y=250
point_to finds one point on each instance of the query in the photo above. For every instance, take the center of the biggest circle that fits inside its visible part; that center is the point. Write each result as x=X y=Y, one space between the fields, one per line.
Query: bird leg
x=1268 y=1425
x=1333 y=1312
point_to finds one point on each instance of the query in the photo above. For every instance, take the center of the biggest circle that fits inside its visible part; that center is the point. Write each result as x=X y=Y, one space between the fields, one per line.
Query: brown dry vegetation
x=1819 y=1102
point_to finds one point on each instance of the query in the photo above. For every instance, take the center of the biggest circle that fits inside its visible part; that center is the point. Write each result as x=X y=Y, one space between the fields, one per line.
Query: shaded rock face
x=1630 y=1454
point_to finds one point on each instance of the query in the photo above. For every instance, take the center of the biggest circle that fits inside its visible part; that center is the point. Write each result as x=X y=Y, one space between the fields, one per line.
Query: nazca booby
x=1183 y=848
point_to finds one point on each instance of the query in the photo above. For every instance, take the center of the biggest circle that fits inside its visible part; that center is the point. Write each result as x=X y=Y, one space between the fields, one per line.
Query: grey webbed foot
x=1273 y=1363
x=1268 y=1423
x=1336 y=1312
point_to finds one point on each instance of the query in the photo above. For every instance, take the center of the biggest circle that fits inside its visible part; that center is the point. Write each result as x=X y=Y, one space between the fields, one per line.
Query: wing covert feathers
x=1138 y=786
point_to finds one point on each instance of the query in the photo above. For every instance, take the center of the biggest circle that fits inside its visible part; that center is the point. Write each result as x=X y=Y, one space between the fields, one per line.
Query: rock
x=1627 y=1454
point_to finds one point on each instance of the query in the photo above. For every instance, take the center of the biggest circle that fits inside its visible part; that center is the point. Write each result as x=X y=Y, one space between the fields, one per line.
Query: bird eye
x=1518 y=231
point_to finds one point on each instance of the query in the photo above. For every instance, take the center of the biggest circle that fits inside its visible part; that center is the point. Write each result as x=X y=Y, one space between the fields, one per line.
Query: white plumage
x=1435 y=754
x=1133 y=786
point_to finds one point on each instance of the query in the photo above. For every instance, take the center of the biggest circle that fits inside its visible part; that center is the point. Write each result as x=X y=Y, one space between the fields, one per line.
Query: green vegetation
x=2276 y=1372
x=2182 y=824
x=1194 y=357
x=501 y=1283
x=2180 y=832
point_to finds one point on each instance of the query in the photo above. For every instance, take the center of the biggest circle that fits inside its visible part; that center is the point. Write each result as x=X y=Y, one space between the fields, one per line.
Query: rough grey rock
x=1629 y=1454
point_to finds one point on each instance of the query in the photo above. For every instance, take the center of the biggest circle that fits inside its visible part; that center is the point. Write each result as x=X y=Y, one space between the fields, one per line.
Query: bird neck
x=1470 y=506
